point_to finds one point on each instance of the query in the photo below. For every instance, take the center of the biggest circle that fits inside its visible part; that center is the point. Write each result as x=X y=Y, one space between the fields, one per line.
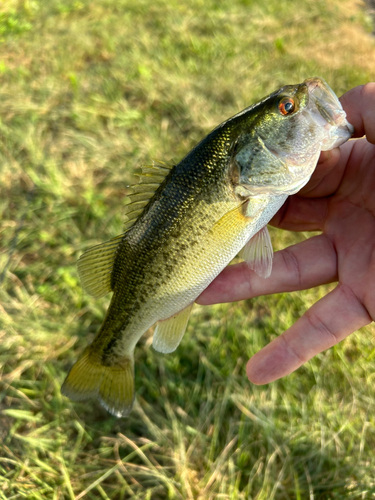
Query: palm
x=339 y=201
x=349 y=224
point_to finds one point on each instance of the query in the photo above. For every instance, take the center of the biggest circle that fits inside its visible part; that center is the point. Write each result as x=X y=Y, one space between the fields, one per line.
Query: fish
x=186 y=222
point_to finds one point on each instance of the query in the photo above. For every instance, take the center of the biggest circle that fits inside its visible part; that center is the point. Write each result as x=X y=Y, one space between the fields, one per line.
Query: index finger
x=359 y=105
x=307 y=264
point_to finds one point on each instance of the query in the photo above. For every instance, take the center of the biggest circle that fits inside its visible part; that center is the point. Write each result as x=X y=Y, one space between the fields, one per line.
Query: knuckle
x=361 y=300
x=292 y=350
x=292 y=266
x=368 y=90
x=319 y=324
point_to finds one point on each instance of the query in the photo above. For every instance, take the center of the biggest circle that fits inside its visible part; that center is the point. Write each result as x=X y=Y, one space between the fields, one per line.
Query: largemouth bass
x=186 y=222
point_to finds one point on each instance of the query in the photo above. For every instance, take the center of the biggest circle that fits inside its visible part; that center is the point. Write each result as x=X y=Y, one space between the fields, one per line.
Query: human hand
x=339 y=200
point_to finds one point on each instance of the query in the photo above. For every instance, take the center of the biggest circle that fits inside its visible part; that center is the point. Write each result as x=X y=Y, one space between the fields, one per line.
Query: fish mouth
x=325 y=109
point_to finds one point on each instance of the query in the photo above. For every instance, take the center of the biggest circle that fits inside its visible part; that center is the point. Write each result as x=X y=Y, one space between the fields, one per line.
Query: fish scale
x=186 y=222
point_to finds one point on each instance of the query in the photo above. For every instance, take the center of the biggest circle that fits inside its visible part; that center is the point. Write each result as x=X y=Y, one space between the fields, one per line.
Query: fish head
x=281 y=137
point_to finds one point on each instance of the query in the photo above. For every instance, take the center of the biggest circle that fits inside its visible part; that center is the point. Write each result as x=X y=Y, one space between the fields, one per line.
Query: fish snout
x=326 y=109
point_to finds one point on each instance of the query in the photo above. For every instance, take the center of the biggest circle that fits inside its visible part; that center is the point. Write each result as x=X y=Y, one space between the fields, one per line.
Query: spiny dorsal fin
x=149 y=181
x=95 y=267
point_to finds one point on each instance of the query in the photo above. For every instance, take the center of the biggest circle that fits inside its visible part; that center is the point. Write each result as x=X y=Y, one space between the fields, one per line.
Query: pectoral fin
x=258 y=253
x=169 y=332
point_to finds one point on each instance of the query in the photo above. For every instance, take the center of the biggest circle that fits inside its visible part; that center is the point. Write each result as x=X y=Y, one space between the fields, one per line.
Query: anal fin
x=258 y=253
x=169 y=332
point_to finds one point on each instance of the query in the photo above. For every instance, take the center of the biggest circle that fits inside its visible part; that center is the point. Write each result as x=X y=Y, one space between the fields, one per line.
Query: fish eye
x=286 y=106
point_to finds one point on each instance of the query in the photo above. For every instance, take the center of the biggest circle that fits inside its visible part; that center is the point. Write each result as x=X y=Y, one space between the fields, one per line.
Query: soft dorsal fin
x=95 y=267
x=149 y=181
x=96 y=264
x=258 y=253
x=169 y=332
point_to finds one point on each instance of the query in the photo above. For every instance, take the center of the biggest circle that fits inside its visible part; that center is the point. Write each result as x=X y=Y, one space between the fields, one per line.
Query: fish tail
x=112 y=384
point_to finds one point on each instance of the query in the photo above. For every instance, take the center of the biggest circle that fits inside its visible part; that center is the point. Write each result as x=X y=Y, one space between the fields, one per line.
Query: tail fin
x=112 y=385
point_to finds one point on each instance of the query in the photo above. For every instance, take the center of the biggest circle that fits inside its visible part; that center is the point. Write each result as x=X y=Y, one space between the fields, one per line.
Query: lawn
x=90 y=91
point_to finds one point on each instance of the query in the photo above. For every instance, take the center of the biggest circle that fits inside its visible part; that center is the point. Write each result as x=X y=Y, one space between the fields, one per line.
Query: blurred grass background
x=89 y=91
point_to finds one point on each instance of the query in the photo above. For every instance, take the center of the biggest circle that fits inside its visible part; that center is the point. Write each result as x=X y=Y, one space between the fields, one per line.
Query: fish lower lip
x=348 y=127
x=345 y=131
x=335 y=117
x=342 y=134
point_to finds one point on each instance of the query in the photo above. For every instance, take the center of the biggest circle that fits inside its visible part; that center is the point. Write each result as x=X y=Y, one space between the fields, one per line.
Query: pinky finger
x=326 y=323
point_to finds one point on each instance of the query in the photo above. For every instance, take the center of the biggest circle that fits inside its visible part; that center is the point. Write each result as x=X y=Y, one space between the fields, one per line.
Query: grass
x=89 y=91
